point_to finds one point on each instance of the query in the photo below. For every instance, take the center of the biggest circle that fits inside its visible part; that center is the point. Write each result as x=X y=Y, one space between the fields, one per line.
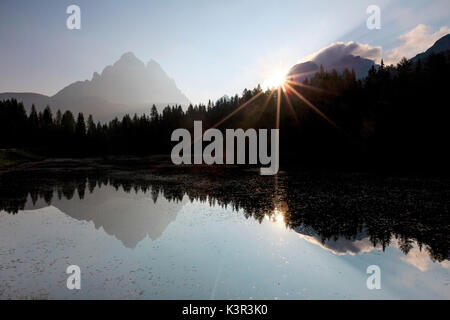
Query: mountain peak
x=128 y=85
x=153 y=64
x=128 y=56
x=95 y=76
x=129 y=60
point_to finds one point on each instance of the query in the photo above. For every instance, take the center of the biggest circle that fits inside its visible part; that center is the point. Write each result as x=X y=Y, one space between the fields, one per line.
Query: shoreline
x=20 y=161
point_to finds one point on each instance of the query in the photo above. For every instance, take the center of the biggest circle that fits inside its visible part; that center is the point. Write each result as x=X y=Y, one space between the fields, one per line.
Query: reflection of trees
x=407 y=209
x=333 y=206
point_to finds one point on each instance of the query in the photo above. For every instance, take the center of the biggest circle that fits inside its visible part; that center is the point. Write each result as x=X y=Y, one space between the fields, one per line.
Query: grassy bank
x=10 y=158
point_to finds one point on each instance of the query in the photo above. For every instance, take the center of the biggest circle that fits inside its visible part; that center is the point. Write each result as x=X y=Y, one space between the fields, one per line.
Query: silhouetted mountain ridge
x=127 y=86
x=440 y=46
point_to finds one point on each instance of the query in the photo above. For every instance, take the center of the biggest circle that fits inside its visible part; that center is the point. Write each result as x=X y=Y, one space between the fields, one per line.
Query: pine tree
x=154 y=114
x=91 y=128
x=58 y=118
x=80 y=128
x=68 y=122
x=47 y=118
x=33 y=118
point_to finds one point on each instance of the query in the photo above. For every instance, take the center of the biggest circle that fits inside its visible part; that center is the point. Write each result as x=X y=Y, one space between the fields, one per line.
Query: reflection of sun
x=275 y=80
x=277 y=216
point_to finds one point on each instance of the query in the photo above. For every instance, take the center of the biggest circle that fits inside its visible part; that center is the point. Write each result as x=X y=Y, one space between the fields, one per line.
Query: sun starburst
x=274 y=81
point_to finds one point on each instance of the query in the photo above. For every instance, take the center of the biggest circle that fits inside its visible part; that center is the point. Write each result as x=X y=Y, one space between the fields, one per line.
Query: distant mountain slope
x=440 y=46
x=301 y=71
x=127 y=86
x=28 y=98
x=361 y=66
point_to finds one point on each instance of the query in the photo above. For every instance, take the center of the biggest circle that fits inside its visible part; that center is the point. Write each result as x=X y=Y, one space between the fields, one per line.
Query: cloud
x=415 y=41
x=412 y=42
x=335 y=51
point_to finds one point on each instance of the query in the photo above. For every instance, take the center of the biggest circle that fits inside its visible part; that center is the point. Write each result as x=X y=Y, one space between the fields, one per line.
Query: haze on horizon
x=210 y=48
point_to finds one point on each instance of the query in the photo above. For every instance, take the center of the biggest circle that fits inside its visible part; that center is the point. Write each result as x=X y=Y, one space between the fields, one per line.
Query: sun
x=275 y=80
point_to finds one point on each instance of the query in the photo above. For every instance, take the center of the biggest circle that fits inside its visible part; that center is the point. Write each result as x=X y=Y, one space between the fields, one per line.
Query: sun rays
x=309 y=104
x=283 y=83
x=284 y=87
x=237 y=109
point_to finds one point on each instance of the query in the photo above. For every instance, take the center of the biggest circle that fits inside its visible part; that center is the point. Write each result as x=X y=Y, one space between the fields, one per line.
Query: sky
x=209 y=47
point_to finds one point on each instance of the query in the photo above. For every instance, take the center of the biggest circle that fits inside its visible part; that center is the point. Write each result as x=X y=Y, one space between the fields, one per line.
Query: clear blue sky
x=210 y=47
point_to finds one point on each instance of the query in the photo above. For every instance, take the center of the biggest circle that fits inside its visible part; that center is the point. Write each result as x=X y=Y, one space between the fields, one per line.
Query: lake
x=230 y=235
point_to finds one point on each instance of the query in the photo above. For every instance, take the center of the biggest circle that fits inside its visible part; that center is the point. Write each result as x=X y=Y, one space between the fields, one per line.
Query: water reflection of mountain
x=346 y=214
x=128 y=216
x=359 y=243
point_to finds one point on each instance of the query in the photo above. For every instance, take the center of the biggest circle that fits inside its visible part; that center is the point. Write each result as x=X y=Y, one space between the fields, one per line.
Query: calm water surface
x=142 y=236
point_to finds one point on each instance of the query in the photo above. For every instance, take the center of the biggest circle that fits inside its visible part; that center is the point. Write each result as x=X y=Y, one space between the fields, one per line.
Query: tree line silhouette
x=396 y=116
